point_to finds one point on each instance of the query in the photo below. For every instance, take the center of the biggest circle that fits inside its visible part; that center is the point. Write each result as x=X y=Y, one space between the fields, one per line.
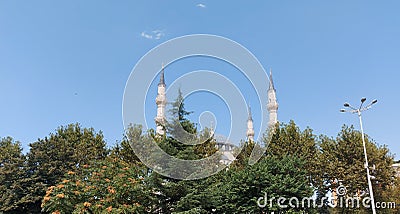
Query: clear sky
x=63 y=62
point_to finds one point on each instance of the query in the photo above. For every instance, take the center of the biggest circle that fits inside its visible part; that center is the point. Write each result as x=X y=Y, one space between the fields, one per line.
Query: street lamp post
x=353 y=110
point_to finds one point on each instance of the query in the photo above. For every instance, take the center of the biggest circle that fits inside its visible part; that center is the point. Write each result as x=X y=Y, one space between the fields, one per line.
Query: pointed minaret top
x=271 y=82
x=162 y=81
x=250 y=116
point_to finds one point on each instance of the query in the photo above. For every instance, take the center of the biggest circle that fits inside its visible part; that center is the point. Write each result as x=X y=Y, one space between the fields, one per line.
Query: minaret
x=161 y=101
x=250 y=129
x=272 y=105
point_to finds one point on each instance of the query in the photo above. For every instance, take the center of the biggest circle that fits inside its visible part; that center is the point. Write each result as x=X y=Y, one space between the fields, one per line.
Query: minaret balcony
x=161 y=100
x=272 y=106
x=159 y=120
x=250 y=133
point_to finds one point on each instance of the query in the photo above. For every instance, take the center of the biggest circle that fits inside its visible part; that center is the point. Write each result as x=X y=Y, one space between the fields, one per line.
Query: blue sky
x=63 y=62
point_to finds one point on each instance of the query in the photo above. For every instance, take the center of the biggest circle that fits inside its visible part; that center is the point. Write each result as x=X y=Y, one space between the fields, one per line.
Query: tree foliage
x=68 y=149
x=288 y=139
x=106 y=186
x=239 y=190
x=344 y=164
x=181 y=135
x=18 y=189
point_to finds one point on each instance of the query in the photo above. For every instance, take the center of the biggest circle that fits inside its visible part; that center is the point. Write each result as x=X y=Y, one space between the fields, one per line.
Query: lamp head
x=342 y=110
x=374 y=101
x=346 y=105
x=363 y=99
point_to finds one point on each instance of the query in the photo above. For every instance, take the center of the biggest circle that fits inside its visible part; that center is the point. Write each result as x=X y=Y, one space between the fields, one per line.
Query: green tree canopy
x=288 y=139
x=69 y=148
x=106 y=186
x=15 y=179
x=344 y=164
x=238 y=190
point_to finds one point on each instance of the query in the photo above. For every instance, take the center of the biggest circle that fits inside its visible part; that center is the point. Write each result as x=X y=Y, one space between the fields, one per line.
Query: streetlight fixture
x=353 y=110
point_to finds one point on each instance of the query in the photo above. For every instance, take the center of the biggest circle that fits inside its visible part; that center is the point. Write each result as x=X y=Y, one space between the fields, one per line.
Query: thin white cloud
x=158 y=34
x=155 y=34
x=147 y=36
x=201 y=5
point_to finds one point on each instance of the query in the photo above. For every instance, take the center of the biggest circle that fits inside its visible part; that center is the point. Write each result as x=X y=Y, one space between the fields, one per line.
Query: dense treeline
x=72 y=171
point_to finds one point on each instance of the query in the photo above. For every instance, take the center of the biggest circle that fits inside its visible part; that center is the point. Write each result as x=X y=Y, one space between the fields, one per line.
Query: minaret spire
x=161 y=102
x=272 y=105
x=250 y=128
x=271 y=82
x=162 y=81
x=250 y=116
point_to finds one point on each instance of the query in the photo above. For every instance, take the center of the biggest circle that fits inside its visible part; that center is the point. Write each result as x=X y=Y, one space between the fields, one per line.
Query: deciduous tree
x=68 y=149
